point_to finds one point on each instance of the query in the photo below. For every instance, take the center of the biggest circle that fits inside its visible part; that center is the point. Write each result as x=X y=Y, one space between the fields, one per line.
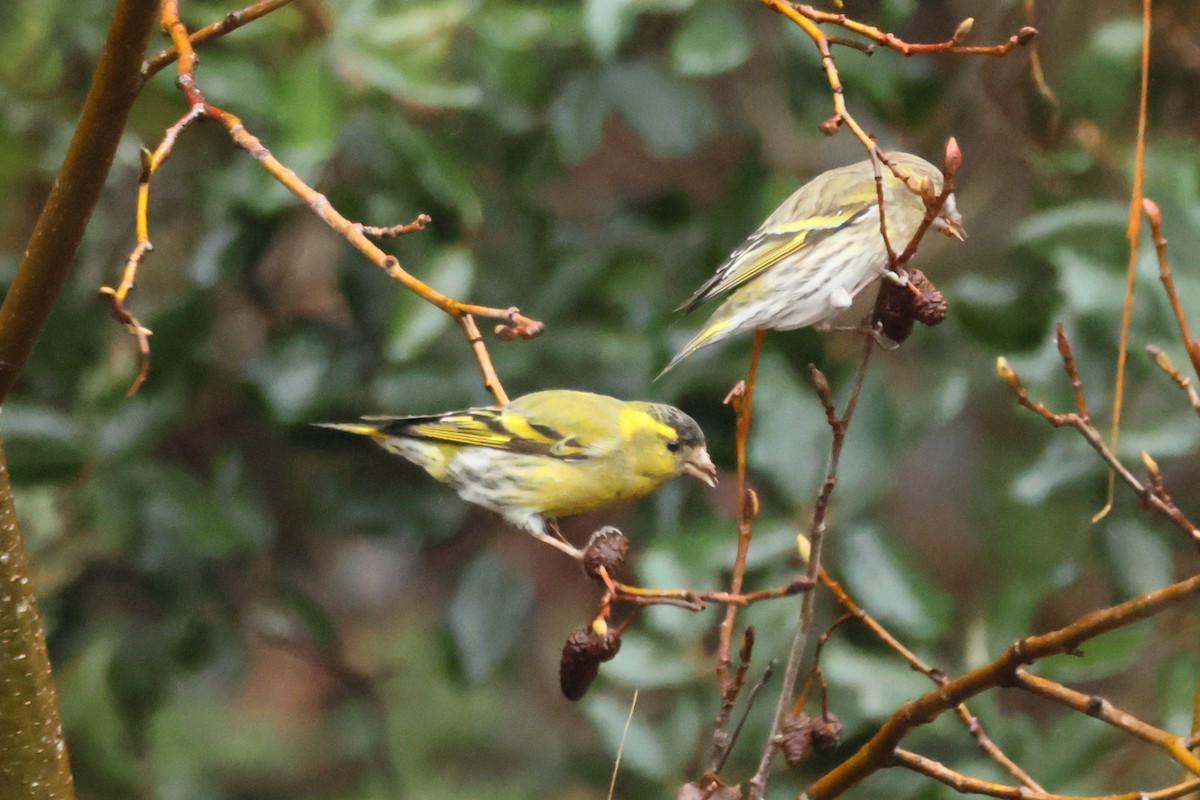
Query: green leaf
x=1139 y=558
x=523 y=28
x=648 y=662
x=1102 y=657
x=607 y=23
x=1065 y=461
x=1081 y=218
x=1167 y=435
x=577 y=116
x=1112 y=51
x=713 y=40
x=487 y=614
x=876 y=682
x=672 y=118
x=41 y=444
x=136 y=424
x=416 y=323
x=298 y=379
x=788 y=420
x=1088 y=284
x=307 y=108
x=899 y=596
x=440 y=172
x=183 y=518
x=91 y=716
x=644 y=752
x=382 y=72
x=1176 y=690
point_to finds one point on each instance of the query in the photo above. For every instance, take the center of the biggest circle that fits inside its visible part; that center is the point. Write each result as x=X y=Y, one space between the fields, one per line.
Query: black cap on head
x=689 y=432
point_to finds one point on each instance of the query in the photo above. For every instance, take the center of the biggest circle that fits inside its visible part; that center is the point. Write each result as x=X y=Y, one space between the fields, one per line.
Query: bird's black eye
x=674 y=445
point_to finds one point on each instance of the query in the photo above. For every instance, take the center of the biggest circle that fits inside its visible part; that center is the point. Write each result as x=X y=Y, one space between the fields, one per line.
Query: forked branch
x=512 y=324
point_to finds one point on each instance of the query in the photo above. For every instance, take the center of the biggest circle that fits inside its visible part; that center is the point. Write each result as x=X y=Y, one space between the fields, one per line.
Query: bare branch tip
x=819 y=382
x=830 y=126
x=1026 y=35
x=963 y=30
x=1152 y=211
x=1009 y=375
x=953 y=157
x=735 y=393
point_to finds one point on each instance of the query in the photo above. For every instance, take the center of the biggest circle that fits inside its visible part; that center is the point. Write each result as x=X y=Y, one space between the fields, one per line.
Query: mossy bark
x=33 y=755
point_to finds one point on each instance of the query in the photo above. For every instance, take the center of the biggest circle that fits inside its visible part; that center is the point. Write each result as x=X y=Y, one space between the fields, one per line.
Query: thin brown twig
x=1163 y=362
x=392 y=232
x=984 y=742
x=1094 y=706
x=1132 y=230
x=953 y=45
x=116 y=297
x=807 y=18
x=815 y=674
x=1193 y=743
x=1035 y=68
x=1159 y=501
x=1068 y=361
x=729 y=682
x=816 y=533
x=951 y=162
x=751 y=696
x=693 y=599
x=230 y=22
x=512 y=323
x=879 y=751
x=1154 y=217
x=968 y=785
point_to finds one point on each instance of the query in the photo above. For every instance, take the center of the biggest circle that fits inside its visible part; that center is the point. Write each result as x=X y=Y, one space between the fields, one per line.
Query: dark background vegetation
x=242 y=606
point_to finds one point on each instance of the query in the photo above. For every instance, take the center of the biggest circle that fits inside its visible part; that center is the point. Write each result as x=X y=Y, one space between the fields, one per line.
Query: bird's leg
x=574 y=552
x=874 y=329
x=561 y=542
x=897 y=275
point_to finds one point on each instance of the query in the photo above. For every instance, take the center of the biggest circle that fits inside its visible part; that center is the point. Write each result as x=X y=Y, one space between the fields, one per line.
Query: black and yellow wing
x=492 y=426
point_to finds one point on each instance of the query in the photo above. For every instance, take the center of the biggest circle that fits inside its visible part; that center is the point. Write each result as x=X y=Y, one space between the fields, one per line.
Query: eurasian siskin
x=819 y=249
x=548 y=454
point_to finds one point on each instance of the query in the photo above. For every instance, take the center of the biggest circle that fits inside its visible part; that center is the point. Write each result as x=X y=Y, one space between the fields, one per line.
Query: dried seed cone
x=827 y=733
x=795 y=737
x=607 y=548
x=582 y=655
x=898 y=307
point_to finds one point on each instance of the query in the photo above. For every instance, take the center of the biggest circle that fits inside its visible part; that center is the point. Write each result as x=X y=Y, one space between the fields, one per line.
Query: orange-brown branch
x=512 y=323
x=1132 y=230
x=838 y=426
x=1174 y=746
x=952 y=45
x=1160 y=501
x=1154 y=217
x=968 y=785
x=879 y=751
x=230 y=22
x=985 y=743
x=808 y=19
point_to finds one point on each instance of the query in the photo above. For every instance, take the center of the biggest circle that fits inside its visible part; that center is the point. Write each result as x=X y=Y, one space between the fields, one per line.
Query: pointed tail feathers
x=715 y=332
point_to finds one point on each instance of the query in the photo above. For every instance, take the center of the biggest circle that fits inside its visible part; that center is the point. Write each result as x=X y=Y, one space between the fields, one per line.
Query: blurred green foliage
x=242 y=606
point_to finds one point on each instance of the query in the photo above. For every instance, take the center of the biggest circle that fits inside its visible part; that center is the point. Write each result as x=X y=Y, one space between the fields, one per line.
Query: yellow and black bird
x=548 y=454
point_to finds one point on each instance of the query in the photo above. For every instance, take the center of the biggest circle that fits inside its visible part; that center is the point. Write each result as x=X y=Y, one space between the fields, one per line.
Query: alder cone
x=607 y=548
x=898 y=307
x=582 y=655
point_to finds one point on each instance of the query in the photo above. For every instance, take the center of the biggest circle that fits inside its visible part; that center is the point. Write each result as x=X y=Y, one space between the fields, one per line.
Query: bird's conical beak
x=701 y=466
x=952 y=226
